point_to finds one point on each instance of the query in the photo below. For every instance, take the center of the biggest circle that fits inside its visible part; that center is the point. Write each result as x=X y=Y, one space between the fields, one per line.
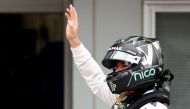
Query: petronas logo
x=113 y=86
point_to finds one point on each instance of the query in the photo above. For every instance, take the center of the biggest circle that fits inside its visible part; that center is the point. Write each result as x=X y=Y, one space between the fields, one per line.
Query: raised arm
x=88 y=67
x=72 y=27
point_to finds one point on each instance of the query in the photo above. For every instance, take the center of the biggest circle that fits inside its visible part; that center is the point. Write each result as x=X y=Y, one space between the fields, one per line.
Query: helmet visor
x=112 y=57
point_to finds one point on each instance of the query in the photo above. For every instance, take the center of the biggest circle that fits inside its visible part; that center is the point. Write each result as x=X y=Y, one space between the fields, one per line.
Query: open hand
x=72 y=26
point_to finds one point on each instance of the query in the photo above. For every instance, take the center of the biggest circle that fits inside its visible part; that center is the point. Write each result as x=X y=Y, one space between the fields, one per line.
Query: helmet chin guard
x=127 y=80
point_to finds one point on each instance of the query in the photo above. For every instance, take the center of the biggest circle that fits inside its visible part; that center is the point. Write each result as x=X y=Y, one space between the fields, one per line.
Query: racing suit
x=95 y=78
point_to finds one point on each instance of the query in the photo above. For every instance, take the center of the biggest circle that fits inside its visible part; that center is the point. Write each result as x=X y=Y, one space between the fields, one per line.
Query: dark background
x=29 y=80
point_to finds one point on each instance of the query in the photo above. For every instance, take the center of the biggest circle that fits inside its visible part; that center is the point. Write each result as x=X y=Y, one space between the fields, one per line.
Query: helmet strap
x=122 y=96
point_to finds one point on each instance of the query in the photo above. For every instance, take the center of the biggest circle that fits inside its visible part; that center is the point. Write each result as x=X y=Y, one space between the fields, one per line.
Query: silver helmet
x=146 y=58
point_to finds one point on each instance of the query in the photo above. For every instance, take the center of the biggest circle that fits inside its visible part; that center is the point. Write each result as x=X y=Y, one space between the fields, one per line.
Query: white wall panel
x=82 y=96
x=31 y=6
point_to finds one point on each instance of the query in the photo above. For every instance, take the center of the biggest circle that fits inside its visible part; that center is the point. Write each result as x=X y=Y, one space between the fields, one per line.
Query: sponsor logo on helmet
x=114 y=48
x=144 y=74
x=112 y=86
